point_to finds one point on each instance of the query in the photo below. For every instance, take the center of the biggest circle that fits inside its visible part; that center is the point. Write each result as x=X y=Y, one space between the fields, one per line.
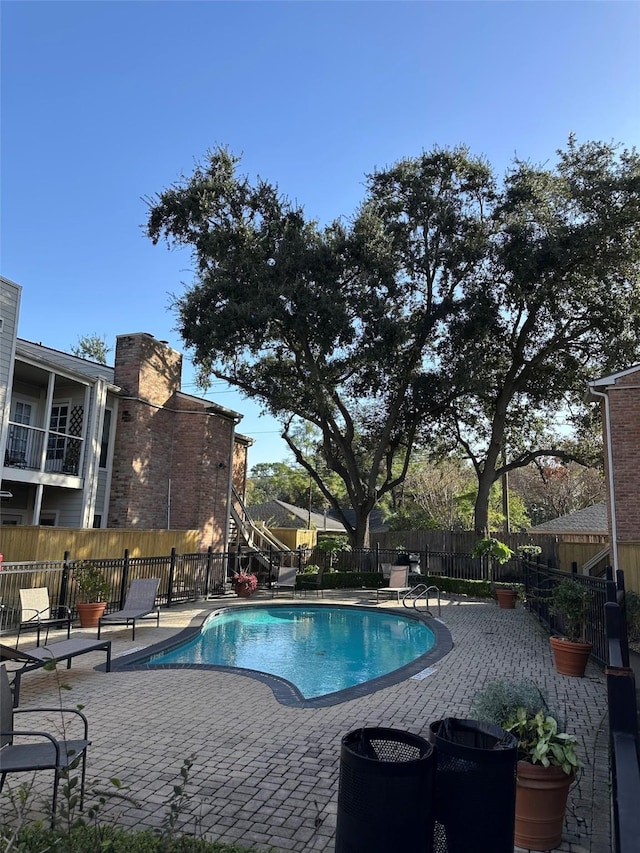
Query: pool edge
x=285 y=692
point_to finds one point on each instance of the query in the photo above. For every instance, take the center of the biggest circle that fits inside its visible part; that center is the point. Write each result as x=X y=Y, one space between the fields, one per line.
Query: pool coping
x=285 y=692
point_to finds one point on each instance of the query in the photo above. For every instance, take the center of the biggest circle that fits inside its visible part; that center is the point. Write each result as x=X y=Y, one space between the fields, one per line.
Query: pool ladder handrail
x=419 y=591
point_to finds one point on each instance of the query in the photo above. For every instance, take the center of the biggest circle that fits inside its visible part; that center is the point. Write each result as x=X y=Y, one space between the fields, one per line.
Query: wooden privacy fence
x=45 y=544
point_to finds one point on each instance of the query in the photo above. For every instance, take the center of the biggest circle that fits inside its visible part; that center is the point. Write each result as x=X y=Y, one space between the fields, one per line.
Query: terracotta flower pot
x=243 y=590
x=90 y=613
x=506 y=598
x=570 y=657
x=541 y=803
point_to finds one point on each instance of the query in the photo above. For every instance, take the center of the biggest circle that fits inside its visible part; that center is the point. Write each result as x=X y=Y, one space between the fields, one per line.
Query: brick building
x=175 y=455
x=619 y=395
x=84 y=444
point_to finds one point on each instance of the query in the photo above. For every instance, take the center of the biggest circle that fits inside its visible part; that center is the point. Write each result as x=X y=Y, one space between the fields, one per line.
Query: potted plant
x=244 y=583
x=547 y=759
x=94 y=588
x=496 y=551
x=506 y=594
x=571 y=650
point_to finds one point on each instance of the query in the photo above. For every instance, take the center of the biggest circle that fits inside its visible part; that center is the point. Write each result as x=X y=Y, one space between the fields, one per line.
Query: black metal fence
x=540 y=581
x=462 y=566
x=623 y=723
x=183 y=577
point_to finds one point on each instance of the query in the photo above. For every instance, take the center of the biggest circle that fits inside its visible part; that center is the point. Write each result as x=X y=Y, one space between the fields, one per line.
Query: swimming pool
x=308 y=654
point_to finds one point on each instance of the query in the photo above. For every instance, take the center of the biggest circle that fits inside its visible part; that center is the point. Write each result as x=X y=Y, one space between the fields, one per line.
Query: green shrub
x=632 y=604
x=498 y=701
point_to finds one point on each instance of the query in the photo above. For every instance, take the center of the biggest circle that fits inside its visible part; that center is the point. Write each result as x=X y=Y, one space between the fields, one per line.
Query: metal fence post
x=207 y=580
x=172 y=569
x=125 y=579
x=64 y=582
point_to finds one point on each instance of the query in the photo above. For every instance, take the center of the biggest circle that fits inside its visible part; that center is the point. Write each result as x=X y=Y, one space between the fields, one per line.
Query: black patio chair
x=139 y=604
x=53 y=653
x=41 y=750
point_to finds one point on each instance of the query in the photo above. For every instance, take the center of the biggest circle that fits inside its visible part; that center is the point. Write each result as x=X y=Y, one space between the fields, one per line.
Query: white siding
x=9 y=311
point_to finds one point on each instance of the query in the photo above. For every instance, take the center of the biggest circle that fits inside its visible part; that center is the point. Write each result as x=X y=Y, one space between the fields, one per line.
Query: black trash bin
x=384 y=792
x=474 y=789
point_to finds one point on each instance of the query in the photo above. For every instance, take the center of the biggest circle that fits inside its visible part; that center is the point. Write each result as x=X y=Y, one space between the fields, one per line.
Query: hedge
x=375 y=580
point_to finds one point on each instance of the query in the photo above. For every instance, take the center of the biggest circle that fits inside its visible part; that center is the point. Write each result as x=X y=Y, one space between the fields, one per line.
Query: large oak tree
x=556 y=303
x=447 y=301
x=336 y=325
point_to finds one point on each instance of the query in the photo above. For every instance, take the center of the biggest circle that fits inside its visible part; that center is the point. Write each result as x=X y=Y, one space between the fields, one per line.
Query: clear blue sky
x=106 y=103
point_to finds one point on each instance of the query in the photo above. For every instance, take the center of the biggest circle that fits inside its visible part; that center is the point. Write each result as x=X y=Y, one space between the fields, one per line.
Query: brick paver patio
x=266 y=774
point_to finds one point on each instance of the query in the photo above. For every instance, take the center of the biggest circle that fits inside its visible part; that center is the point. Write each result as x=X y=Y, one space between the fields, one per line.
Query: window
x=58 y=424
x=104 y=443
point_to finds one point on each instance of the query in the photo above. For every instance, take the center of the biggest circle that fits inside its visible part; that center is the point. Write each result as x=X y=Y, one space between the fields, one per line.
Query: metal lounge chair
x=398 y=580
x=140 y=603
x=41 y=750
x=286 y=580
x=37 y=613
x=36 y=658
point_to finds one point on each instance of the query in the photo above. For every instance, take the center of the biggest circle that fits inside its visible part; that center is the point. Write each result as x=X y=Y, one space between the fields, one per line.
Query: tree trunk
x=481 y=509
x=361 y=528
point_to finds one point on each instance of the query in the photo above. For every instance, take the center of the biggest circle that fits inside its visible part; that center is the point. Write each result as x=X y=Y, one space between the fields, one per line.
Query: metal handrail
x=419 y=591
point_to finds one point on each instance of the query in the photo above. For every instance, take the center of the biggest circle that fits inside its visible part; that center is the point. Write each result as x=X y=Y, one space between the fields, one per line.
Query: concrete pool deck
x=267 y=775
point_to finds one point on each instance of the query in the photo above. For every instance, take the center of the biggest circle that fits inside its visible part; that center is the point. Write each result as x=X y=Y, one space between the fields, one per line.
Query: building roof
x=593 y=519
x=612 y=379
x=63 y=360
x=377 y=523
x=56 y=359
x=277 y=513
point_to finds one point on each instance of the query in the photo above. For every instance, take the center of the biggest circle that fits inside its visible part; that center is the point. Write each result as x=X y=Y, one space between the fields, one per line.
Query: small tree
x=92 y=347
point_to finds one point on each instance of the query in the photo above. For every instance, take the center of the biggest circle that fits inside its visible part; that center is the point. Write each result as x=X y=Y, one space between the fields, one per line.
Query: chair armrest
x=61 y=607
x=24 y=733
x=36 y=614
x=57 y=711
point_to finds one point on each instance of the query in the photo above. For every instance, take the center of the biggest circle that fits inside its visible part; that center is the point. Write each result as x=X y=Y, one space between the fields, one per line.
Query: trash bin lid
x=383 y=744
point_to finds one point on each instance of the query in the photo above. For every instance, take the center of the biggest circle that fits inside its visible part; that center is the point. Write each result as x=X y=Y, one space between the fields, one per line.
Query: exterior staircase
x=247 y=536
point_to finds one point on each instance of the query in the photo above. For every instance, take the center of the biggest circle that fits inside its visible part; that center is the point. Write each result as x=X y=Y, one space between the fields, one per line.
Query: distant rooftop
x=277 y=513
x=593 y=519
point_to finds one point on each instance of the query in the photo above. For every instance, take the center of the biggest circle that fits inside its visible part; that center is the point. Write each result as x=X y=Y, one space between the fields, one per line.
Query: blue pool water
x=319 y=649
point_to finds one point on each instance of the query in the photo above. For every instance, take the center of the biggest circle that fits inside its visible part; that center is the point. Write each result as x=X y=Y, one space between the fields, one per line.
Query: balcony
x=35 y=449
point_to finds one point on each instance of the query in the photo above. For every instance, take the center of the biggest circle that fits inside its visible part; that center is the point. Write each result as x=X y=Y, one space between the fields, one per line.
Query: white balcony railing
x=62 y=453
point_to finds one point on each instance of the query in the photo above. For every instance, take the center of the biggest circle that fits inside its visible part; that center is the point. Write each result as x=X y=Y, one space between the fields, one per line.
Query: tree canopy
x=556 y=303
x=334 y=326
x=449 y=308
x=92 y=347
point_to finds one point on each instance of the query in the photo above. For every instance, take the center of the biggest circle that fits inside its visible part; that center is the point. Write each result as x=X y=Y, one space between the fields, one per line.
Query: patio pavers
x=267 y=774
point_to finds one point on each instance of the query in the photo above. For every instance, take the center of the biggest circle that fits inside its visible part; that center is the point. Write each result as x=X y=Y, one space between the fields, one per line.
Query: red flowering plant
x=246 y=579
